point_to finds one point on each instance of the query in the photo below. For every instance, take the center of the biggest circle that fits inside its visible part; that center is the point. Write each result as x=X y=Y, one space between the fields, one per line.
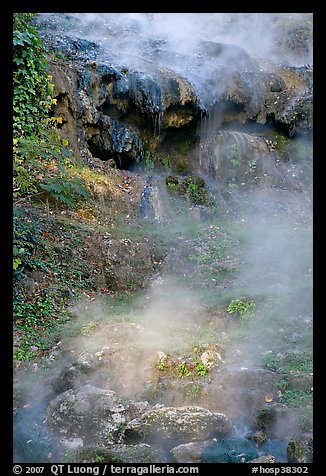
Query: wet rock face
x=107 y=111
x=254 y=383
x=241 y=161
x=281 y=96
x=115 y=141
x=229 y=450
x=178 y=423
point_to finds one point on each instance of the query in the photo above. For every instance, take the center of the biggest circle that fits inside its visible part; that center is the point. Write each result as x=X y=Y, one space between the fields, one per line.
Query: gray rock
x=258 y=437
x=264 y=459
x=242 y=160
x=276 y=420
x=190 y=452
x=93 y=414
x=188 y=423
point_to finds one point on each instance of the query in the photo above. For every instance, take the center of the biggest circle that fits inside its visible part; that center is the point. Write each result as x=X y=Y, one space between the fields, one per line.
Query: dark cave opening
x=122 y=160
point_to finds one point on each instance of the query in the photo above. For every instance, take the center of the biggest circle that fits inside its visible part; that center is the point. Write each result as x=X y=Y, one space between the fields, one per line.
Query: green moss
x=182 y=166
x=300 y=451
x=266 y=417
x=191 y=188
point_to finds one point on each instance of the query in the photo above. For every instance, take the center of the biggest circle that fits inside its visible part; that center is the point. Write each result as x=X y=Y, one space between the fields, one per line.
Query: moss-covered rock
x=191 y=188
x=300 y=450
x=258 y=437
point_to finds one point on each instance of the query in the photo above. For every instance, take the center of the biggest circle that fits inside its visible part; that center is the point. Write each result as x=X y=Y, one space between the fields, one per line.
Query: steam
x=175 y=40
x=124 y=350
x=181 y=33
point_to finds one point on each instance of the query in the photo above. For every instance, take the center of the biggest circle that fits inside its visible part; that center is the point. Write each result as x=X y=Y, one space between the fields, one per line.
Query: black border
x=7 y=209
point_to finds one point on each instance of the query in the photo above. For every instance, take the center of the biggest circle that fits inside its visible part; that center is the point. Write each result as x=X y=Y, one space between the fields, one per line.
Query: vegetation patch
x=192 y=188
x=243 y=308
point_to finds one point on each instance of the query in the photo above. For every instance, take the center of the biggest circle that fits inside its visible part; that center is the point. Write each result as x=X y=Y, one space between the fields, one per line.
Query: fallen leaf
x=268 y=399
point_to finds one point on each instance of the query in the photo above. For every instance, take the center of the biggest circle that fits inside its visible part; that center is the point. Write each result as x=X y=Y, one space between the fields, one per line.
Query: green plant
x=171 y=182
x=16 y=263
x=242 y=307
x=65 y=189
x=252 y=164
x=192 y=390
x=232 y=183
x=22 y=356
x=40 y=157
x=182 y=370
x=201 y=369
x=166 y=163
x=32 y=313
x=306 y=419
x=42 y=167
x=32 y=88
x=26 y=233
x=232 y=152
x=160 y=365
x=148 y=161
x=291 y=362
x=296 y=398
x=235 y=162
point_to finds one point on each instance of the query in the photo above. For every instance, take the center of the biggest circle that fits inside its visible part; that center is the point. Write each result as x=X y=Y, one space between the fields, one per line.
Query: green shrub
x=32 y=88
x=243 y=308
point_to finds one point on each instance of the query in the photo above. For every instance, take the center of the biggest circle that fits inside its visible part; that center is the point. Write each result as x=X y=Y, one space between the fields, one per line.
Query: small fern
x=65 y=189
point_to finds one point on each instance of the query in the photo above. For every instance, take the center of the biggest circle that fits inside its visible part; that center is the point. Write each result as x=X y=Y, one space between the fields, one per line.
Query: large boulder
x=126 y=263
x=300 y=450
x=188 y=423
x=190 y=452
x=90 y=415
